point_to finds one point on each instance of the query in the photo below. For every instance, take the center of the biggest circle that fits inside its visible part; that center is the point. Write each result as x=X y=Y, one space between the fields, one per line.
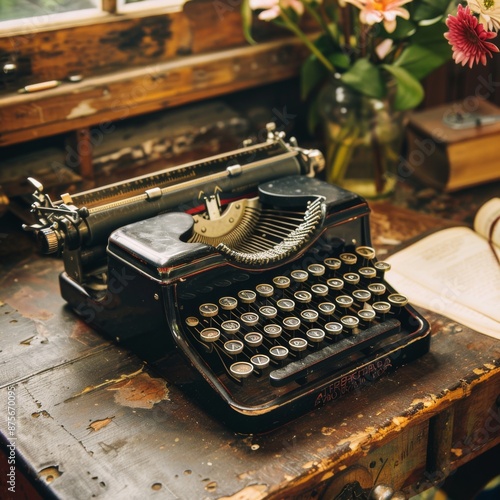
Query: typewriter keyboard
x=284 y=327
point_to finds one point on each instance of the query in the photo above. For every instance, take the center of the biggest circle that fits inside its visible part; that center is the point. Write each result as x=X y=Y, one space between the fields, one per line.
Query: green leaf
x=420 y=61
x=430 y=9
x=246 y=17
x=409 y=91
x=365 y=77
x=339 y=60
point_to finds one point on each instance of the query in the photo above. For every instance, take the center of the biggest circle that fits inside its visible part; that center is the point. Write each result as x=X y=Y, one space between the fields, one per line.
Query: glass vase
x=363 y=139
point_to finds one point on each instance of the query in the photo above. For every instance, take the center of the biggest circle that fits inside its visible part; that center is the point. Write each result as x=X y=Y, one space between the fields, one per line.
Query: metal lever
x=460 y=121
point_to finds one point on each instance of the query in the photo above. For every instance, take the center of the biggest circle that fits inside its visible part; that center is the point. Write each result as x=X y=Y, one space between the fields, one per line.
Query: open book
x=454 y=272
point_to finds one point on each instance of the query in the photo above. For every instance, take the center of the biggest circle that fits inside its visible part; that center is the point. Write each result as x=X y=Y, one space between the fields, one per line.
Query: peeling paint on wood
x=97 y=425
x=254 y=492
x=141 y=391
x=91 y=388
x=81 y=109
x=49 y=474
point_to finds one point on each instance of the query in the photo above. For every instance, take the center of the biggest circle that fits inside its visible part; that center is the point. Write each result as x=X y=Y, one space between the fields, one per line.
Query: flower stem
x=297 y=31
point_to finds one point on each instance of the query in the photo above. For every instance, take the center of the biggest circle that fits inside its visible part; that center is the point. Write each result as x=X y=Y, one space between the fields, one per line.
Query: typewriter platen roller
x=261 y=277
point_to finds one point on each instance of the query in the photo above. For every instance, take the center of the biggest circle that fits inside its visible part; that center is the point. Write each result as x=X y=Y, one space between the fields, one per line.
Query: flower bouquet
x=367 y=60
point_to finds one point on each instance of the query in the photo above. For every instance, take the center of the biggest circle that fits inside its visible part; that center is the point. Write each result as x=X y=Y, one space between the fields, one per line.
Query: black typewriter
x=260 y=276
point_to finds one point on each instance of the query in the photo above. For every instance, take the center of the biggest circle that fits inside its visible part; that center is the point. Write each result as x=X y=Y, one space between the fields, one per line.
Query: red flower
x=468 y=38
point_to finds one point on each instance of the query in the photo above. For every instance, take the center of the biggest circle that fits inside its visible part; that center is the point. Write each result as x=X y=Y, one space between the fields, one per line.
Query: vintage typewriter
x=260 y=276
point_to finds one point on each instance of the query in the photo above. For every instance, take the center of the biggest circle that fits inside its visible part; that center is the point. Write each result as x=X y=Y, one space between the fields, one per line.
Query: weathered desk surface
x=94 y=420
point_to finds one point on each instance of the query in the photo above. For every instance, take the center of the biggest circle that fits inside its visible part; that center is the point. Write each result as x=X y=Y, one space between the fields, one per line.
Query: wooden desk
x=93 y=420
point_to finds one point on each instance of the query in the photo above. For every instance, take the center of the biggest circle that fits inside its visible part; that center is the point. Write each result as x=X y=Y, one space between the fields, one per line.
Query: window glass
x=21 y=9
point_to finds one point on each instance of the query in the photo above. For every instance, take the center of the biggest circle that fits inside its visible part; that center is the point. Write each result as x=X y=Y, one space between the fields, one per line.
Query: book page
x=452 y=272
x=424 y=297
x=486 y=217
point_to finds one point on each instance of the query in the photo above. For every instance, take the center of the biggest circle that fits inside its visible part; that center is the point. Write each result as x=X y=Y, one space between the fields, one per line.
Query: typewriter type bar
x=259 y=277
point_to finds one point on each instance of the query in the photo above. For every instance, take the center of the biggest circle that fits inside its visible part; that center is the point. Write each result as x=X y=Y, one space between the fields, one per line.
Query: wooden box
x=451 y=159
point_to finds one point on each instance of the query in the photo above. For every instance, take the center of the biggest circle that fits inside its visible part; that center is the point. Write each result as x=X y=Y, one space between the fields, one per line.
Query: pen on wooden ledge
x=36 y=87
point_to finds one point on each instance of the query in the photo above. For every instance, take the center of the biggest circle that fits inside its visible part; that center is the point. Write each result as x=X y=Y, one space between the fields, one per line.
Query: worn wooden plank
x=99 y=100
x=36 y=331
x=81 y=423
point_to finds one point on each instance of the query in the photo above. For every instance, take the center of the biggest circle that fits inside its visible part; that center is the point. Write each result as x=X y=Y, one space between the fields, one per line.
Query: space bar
x=340 y=350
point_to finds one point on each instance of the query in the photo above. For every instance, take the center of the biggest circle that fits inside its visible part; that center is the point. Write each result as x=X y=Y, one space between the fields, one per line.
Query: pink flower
x=468 y=38
x=377 y=11
x=272 y=8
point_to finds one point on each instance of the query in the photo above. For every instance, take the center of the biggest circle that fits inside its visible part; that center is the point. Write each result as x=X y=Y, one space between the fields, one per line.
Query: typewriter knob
x=48 y=241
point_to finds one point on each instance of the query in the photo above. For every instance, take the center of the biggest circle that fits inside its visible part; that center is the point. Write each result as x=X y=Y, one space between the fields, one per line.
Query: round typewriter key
x=297 y=344
x=319 y=290
x=291 y=323
x=367 y=253
x=281 y=282
x=344 y=301
x=362 y=295
x=381 y=307
x=326 y=308
x=273 y=331
x=265 y=290
x=192 y=321
x=332 y=263
x=233 y=347
x=381 y=267
x=309 y=315
x=209 y=310
x=278 y=352
x=210 y=334
x=349 y=322
x=241 y=369
x=228 y=303
x=377 y=288
x=316 y=269
x=397 y=300
x=260 y=361
x=351 y=278
x=268 y=312
x=204 y=289
x=286 y=305
x=333 y=328
x=249 y=319
x=247 y=296
x=367 y=272
x=254 y=339
x=348 y=259
x=302 y=296
x=315 y=335
x=230 y=327
x=299 y=276
x=366 y=315
x=335 y=283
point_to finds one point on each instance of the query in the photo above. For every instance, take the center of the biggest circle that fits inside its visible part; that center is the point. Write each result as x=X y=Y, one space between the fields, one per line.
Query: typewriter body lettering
x=261 y=277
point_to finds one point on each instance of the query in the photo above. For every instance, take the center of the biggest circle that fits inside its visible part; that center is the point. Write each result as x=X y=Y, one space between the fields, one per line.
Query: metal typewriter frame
x=139 y=235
